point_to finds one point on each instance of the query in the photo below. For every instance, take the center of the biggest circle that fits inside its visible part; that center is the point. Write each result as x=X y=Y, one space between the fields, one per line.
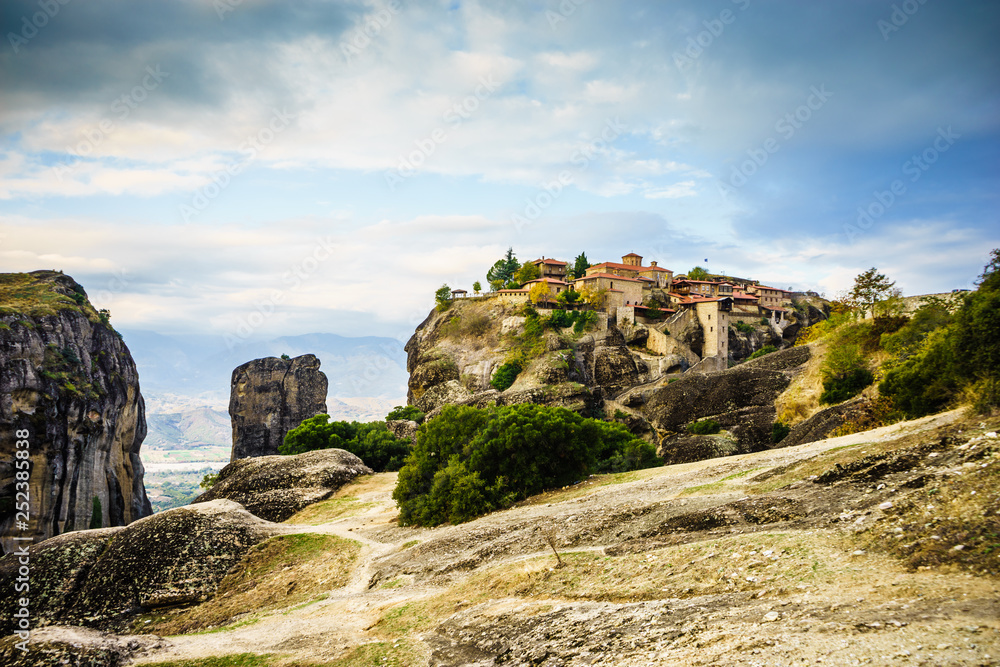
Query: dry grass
x=326 y=511
x=23 y=294
x=588 y=485
x=801 y=399
x=756 y=563
x=281 y=572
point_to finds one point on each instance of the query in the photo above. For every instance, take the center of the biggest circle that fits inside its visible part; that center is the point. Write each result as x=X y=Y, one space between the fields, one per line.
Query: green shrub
x=470 y=461
x=839 y=388
x=209 y=480
x=560 y=319
x=779 y=431
x=743 y=326
x=96 y=514
x=585 y=319
x=505 y=375
x=767 y=349
x=705 y=427
x=372 y=442
x=407 y=412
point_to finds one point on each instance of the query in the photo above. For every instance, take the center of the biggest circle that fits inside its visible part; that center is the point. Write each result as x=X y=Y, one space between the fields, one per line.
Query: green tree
x=697 y=273
x=443 y=297
x=567 y=297
x=96 y=515
x=580 y=266
x=371 y=442
x=501 y=274
x=470 y=461
x=528 y=271
x=407 y=412
x=477 y=287
x=870 y=288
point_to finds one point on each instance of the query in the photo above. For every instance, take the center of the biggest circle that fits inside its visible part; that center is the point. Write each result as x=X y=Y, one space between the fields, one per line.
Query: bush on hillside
x=705 y=427
x=942 y=358
x=779 y=431
x=469 y=461
x=505 y=375
x=767 y=349
x=372 y=442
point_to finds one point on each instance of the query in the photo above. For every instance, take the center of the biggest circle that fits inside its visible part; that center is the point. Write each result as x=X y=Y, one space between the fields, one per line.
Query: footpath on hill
x=861 y=549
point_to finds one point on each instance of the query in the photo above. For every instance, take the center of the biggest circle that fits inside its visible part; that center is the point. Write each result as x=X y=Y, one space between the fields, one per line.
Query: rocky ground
x=874 y=548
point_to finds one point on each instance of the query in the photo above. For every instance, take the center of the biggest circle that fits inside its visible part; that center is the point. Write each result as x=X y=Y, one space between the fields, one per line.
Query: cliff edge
x=69 y=390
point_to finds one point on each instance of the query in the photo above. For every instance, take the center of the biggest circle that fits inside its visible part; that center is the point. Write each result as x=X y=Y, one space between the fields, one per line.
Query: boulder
x=103 y=578
x=686 y=449
x=276 y=487
x=614 y=368
x=821 y=424
x=404 y=429
x=271 y=396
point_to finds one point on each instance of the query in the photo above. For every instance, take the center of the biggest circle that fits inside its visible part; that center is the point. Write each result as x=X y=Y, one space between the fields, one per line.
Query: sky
x=255 y=168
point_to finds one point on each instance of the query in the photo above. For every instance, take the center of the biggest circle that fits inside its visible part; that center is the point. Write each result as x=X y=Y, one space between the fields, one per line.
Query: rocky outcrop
x=276 y=487
x=740 y=399
x=103 y=578
x=271 y=396
x=744 y=343
x=823 y=423
x=69 y=390
x=55 y=646
x=403 y=429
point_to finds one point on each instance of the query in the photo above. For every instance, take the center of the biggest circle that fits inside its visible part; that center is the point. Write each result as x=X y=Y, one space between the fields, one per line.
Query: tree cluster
x=469 y=461
x=373 y=443
x=941 y=358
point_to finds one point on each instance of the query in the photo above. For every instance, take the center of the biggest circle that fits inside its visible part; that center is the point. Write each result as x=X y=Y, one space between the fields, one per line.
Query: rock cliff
x=271 y=396
x=67 y=382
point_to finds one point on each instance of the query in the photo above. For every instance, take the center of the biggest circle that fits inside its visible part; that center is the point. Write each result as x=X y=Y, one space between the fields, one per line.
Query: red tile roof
x=632 y=254
x=554 y=281
x=610 y=276
x=544 y=260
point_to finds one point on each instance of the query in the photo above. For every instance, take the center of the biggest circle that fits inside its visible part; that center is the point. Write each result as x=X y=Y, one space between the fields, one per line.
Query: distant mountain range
x=185 y=379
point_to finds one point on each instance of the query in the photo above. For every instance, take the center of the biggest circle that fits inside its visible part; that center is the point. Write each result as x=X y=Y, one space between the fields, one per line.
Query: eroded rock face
x=102 y=578
x=740 y=399
x=276 y=487
x=69 y=383
x=271 y=396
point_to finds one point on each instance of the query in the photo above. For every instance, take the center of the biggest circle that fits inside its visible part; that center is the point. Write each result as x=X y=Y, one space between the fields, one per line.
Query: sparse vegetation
x=280 y=572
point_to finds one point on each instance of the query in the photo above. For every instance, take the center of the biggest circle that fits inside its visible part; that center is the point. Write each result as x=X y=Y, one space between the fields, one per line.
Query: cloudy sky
x=266 y=167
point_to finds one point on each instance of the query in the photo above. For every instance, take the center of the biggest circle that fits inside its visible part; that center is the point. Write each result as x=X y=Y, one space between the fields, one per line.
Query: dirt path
x=740 y=593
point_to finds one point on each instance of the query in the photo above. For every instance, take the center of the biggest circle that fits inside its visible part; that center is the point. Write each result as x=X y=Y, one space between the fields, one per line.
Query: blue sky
x=260 y=168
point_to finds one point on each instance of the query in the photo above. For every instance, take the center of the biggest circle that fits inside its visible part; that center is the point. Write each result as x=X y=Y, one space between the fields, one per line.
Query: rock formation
x=740 y=399
x=69 y=384
x=103 y=578
x=276 y=487
x=271 y=396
